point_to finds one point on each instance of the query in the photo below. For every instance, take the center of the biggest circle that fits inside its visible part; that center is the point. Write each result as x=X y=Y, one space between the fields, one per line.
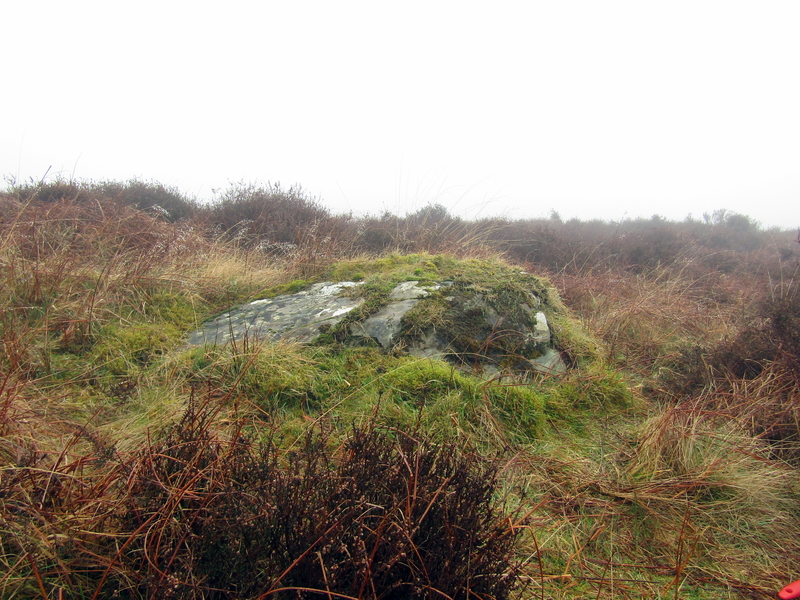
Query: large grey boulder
x=477 y=328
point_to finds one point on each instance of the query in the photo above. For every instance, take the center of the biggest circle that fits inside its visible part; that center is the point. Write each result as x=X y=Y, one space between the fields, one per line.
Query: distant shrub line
x=281 y=221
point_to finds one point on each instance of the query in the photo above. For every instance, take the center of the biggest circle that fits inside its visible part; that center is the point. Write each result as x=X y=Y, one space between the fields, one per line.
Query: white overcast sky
x=597 y=109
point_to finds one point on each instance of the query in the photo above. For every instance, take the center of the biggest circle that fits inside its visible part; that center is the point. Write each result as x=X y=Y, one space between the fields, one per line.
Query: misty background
x=595 y=110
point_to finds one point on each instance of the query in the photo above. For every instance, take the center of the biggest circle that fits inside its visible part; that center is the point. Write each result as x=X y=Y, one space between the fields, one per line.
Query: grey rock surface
x=299 y=317
x=550 y=363
x=541 y=330
x=386 y=325
x=473 y=328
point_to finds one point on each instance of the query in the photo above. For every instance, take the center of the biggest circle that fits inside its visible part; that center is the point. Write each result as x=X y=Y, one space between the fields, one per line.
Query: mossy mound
x=482 y=315
x=487 y=318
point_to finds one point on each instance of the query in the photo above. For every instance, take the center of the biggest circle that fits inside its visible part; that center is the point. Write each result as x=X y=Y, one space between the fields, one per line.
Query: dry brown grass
x=639 y=318
x=703 y=494
x=685 y=501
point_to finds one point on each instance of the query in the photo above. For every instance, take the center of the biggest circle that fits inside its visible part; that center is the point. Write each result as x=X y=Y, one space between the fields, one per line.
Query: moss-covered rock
x=483 y=315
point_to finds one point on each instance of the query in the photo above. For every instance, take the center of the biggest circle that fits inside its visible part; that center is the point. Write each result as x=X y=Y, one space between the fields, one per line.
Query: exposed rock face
x=386 y=325
x=299 y=317
x=490 y=329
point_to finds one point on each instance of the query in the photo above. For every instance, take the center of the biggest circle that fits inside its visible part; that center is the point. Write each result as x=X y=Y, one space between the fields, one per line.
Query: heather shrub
x=384 y=515
x=770 y=337
x=430 y=229
x=52 y=191
x=167 y=203
x=781 y=309
x=247 y=212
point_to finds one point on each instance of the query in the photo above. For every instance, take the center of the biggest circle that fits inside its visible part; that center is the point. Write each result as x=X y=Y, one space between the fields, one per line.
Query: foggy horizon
x=595 y=111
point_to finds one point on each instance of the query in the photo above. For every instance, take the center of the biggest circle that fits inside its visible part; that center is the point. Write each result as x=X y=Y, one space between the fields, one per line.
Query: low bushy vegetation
x=663 y=464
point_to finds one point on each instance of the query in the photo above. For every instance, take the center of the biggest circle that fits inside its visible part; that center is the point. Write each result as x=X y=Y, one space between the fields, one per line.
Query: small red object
x=790 y=591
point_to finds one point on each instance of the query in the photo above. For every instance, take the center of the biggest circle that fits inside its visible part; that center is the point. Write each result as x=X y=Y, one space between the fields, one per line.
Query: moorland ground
x=664 y=464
